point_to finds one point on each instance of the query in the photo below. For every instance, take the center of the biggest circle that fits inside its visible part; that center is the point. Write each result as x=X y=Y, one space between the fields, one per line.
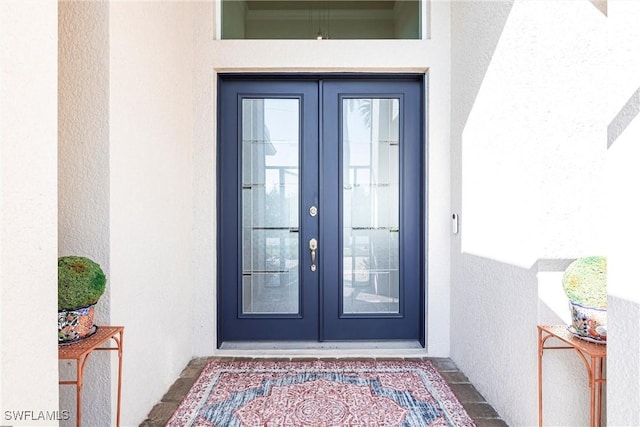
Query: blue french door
x=321 y=208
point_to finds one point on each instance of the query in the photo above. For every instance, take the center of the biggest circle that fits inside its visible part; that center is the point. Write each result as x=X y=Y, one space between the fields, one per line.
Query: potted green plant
x=81 y=283
x=585 y=284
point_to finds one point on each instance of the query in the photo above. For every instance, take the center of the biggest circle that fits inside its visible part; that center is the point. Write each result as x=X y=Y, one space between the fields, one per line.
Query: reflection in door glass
x=270 y=166
x=315 y=19
x=370 y=169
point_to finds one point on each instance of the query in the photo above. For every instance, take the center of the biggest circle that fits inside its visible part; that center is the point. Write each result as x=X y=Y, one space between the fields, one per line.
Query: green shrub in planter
x=585 y=281
x=81 y=282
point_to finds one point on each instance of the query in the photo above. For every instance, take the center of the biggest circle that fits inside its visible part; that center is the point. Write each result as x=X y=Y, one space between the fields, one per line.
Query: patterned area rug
x=320 y=394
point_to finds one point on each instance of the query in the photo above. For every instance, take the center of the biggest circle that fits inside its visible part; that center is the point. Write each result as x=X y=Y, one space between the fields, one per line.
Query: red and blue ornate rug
x=321 y=394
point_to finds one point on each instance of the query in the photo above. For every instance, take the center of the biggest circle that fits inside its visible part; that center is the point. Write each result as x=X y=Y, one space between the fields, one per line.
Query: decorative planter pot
x=74 y=325
x=589 y=322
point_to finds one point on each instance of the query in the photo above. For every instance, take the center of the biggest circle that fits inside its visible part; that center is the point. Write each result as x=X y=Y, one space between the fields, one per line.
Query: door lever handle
x=313 y=246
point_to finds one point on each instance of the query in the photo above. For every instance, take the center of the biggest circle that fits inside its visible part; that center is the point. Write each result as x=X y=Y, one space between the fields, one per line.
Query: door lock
x=313 y=246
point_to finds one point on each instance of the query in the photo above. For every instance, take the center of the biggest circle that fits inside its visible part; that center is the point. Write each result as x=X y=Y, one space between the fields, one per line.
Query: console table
x=592 y=355
x=80 y=351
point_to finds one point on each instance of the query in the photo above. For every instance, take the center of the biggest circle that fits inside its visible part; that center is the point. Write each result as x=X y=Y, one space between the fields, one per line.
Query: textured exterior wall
x=151 y=196
x=83 y=178
x=28 y=225
x=623 y=84
x=430 y=56
x=528 y=180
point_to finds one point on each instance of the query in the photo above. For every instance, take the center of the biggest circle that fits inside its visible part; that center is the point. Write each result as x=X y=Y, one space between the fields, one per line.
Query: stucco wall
x=83 y=178
x=528 y=179
x=428 y=56
x=28 y=219
x=151 y=209
x=623 y=139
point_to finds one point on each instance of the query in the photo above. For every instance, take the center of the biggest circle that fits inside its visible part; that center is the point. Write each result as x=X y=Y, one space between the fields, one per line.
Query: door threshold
x=326 y=345
x=365 y=349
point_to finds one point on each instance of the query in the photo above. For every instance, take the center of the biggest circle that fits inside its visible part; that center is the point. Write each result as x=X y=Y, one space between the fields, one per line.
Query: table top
x=85 y=346
x=562 y=333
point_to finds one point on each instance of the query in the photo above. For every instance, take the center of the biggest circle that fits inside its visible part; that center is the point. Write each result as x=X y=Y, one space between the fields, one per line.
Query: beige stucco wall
x=28 y=218
x=151 y=194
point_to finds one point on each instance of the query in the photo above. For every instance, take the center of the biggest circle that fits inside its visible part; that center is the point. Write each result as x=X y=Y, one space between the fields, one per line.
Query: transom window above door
x=332 y=19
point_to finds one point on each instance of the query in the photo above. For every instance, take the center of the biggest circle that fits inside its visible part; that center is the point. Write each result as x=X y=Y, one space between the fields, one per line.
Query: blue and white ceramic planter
x=74 y=325
x=589 y=322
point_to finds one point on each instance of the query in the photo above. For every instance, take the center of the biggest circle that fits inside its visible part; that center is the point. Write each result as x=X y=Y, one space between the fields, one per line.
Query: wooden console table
x=592 y=355
x=80 y=351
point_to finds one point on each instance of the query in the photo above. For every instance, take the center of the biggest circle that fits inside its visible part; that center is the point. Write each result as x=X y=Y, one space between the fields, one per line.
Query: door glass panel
x=370 y=149
x=270 y=179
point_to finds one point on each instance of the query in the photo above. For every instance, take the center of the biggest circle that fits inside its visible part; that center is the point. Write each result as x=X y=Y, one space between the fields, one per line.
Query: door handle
x=313 y=246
